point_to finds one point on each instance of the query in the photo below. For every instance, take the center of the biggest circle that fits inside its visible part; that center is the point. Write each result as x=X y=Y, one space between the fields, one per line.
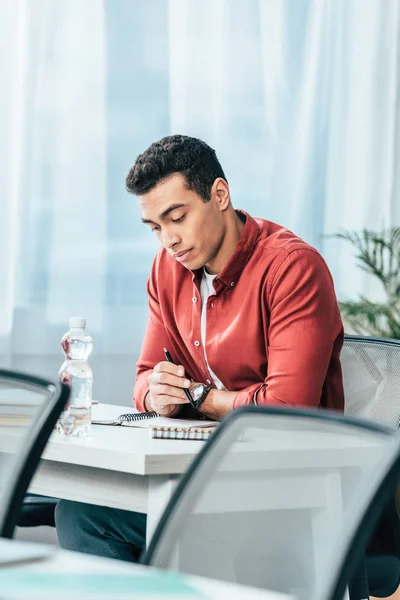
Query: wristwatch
x=199 y=394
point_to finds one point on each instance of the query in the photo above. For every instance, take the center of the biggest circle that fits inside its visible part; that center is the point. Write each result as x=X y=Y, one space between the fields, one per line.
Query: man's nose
x=170 y=239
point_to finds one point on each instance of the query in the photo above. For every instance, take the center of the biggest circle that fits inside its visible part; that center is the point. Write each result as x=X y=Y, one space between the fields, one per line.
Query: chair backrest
x=279 y=498
x=29 y=408
x=371 y=378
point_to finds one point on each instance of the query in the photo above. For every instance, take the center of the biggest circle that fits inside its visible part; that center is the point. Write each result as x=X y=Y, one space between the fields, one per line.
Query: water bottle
x=75 y=371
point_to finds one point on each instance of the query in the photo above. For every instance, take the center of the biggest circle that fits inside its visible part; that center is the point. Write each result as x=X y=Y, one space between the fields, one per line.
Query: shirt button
x=197 y=343
x=194 y=299
x=212 y=304
x=209 y=382
x=232 y=283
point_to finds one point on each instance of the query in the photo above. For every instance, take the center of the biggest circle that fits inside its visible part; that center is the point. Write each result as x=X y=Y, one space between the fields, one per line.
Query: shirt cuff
x=141 y=389
x=247 y=396
x=257 y=395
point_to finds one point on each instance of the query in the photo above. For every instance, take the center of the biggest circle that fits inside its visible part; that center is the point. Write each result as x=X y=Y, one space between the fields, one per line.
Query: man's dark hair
x=191 y=157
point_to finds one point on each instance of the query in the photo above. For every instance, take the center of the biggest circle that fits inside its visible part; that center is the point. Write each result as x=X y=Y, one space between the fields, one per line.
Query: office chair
x=371 y=378
x=29 y=408
x=279 y=498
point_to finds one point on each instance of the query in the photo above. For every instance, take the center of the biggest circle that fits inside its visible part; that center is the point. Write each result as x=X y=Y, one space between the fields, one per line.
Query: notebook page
x=169 y=422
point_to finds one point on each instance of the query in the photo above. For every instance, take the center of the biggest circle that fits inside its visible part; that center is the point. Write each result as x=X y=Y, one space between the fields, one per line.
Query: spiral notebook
x=164 y=427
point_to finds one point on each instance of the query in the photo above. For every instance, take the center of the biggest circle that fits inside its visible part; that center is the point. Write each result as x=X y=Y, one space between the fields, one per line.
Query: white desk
x=123 y=467
x=119 y=467
x=61 y=573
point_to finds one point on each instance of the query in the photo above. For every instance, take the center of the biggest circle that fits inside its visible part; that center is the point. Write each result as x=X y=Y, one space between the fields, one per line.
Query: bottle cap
x=77 y=322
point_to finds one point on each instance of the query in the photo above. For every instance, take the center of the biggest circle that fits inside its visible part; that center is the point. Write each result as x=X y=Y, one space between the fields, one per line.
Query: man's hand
x=166 y=394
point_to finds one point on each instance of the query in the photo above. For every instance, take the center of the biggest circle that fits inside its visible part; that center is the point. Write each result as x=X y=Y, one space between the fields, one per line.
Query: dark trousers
x=100 y=530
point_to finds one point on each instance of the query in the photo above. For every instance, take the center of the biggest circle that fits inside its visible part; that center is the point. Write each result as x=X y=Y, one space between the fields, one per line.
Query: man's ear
x=220 y=192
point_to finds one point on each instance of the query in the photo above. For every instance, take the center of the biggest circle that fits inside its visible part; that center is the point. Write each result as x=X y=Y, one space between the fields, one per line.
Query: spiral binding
x=137 y=416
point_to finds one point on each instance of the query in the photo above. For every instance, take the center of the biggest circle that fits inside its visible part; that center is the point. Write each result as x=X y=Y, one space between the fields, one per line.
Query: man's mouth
x=182 y=255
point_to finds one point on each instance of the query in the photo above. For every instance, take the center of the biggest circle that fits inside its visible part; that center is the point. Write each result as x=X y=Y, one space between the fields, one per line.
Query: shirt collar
x=244 y=248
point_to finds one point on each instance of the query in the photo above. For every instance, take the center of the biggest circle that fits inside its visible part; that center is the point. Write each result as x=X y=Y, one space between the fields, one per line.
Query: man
x=246 y=309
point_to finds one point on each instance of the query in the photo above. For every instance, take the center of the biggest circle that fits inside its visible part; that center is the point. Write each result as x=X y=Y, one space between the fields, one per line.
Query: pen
x=169 y=359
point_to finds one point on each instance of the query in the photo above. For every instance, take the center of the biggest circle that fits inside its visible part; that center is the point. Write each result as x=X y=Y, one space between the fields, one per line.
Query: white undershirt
x=207 y=290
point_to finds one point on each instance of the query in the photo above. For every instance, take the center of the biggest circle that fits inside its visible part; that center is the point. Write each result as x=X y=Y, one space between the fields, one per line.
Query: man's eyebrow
x=165 y=214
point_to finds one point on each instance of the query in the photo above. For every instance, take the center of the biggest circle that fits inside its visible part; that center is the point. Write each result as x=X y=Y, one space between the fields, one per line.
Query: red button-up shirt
x=274 y=331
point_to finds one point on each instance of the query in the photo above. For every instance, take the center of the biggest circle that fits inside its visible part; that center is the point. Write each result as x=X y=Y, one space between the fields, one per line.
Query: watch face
x=197 y=392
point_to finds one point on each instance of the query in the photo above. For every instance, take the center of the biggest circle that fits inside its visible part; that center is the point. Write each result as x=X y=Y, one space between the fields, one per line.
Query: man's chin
x=193 y=265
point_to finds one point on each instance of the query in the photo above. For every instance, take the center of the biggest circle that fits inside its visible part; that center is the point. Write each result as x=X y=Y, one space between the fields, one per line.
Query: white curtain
x=300 y=98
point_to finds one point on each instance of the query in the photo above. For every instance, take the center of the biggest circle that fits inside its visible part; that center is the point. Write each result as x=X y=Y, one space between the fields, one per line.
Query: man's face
x=190 y=229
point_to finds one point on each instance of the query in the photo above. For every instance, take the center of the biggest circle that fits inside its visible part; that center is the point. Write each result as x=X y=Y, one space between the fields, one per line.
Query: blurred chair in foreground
x=29 y=408
x=371 y=378
x=282 y=499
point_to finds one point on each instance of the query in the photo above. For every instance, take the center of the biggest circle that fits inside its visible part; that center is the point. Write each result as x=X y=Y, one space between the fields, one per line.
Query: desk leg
x=159 y=493
x=326 y=521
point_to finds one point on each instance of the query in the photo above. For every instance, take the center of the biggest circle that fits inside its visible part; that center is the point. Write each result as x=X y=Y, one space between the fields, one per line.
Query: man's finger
x=161 y=389
x=167 y=367
x=164 y=400
x=169 y=379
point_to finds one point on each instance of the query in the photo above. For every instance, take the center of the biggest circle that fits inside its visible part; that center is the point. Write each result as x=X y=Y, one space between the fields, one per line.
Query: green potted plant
x=377 y=253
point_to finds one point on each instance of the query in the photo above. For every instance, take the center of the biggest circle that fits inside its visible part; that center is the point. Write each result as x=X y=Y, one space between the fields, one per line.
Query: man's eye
x=179 y=220
x=156 y=228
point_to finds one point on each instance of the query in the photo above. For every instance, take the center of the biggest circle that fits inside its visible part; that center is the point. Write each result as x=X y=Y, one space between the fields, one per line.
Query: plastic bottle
x=75 y=371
